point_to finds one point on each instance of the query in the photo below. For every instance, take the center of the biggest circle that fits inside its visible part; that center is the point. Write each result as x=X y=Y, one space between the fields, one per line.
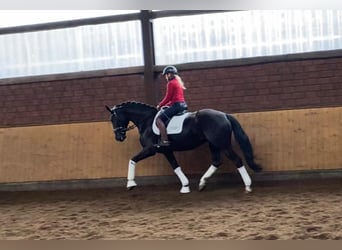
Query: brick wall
x=66 y=101
x=268 y=86
x=271 y=86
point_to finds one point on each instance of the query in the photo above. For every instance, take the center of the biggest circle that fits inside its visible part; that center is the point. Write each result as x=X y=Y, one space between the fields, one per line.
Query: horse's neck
x=140 y=118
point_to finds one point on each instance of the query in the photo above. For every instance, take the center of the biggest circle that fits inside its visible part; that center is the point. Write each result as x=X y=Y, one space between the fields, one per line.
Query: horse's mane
x=134 y=104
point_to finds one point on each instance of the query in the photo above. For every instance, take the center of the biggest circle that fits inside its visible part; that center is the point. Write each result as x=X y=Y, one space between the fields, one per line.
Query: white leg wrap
x=131 y=174
x=184 y=180
x=211 y=170
x=245 y=177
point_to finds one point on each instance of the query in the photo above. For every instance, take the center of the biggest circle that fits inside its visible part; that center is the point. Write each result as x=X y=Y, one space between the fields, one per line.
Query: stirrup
x=163 y=143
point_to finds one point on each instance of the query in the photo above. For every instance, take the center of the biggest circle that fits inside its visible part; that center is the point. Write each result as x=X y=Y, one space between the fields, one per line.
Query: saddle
x=174 y=126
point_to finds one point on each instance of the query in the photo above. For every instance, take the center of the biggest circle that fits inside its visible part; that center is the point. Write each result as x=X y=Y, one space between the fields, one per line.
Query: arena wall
x=305 y=139
x=58 y=129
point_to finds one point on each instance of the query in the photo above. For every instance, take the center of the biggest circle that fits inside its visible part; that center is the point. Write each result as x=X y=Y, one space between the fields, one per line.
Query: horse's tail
x=244 y=143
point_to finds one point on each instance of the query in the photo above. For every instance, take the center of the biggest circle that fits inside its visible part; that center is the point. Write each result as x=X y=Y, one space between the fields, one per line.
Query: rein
x=122 y=129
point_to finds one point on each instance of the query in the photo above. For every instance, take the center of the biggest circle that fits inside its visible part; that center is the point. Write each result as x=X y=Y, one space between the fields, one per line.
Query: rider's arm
x=168 y=95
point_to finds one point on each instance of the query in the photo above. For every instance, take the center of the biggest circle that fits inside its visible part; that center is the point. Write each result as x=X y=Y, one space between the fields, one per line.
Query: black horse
x=204 y=126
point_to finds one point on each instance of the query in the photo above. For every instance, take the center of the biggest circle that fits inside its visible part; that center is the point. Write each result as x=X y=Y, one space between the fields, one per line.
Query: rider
x=174 y=98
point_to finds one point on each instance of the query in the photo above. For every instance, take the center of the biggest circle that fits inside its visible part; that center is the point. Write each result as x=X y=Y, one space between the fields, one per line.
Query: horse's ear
x=108 y=108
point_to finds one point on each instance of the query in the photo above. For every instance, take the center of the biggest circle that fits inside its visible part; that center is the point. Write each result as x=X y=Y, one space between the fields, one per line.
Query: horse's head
x=135 y=112
x=119 y=123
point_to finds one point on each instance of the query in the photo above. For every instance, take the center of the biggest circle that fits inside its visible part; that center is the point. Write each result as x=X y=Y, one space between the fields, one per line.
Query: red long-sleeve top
x=174 y=93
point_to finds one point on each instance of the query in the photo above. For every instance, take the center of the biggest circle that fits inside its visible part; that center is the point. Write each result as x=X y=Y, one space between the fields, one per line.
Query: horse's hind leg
x=178 y=171
x=215 y=163
x=241 y=168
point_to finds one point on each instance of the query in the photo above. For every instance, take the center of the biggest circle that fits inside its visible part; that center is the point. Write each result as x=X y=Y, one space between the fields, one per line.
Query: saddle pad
x=175 y=125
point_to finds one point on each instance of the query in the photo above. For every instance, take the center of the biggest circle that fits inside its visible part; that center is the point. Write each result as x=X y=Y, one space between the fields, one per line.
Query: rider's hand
x=158 y=107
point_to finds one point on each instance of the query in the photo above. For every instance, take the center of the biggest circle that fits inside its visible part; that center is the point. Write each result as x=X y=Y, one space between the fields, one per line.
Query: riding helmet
x=170 y=69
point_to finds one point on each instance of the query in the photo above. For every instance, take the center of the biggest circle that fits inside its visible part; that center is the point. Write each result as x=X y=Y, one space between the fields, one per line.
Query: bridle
x=123 y=129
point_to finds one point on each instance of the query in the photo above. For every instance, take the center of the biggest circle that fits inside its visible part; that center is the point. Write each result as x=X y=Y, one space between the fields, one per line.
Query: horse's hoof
x=248 y=190
x=185 y=190
x=201 y=187
x=131 y=184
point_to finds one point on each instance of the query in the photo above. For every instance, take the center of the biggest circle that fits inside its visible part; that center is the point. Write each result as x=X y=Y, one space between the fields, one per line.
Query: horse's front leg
x=178 y=171
x=146 y=152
